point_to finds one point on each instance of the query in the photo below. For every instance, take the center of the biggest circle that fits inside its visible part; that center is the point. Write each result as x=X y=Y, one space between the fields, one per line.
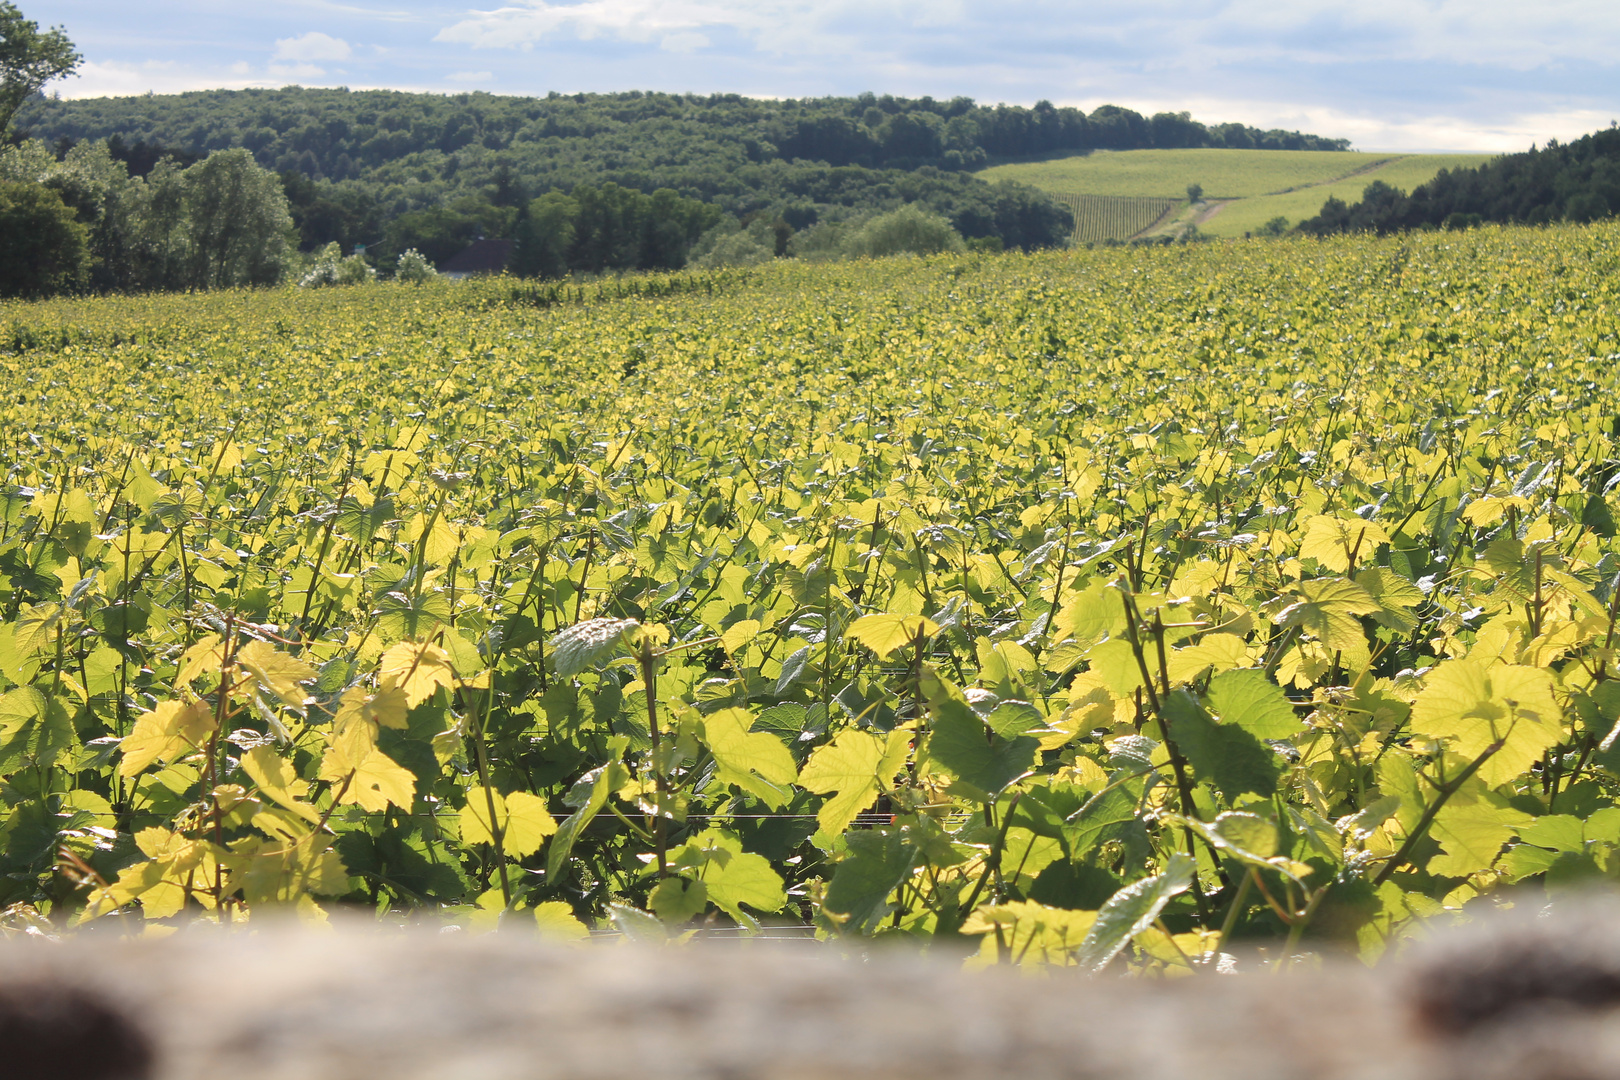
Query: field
x=1255 y=186
x=1406 y=173
x=1111 y=217
x=1224 y=174
x=1080 y=608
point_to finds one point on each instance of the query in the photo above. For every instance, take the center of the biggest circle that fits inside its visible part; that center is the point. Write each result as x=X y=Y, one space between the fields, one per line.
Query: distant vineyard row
x=1112 y=217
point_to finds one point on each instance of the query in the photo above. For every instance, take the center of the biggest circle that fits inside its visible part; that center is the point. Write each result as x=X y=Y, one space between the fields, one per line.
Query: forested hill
x=365 y=166
x=1578 y=181
x=660 y=139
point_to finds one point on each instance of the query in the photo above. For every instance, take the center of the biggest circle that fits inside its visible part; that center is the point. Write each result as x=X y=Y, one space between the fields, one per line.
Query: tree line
x=396 y=171
x=1578 y=182
x=84 y=223
x=337 y=134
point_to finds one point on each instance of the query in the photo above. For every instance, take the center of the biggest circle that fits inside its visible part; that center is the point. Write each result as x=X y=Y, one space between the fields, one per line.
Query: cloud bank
x=1388 y=74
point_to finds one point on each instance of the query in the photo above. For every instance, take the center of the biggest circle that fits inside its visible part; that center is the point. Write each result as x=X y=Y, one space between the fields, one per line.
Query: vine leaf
x=877 y=862
x=275 y=776
x=171 y=730
x=1249 y=700
x=757 y=762
x=732 y=877
x=523 y=819
x=886 y=632
x=417 y=669
x=1132 y=910
x=1470 y=705
x=1331 y=540
x=556 y=920
x=1328 y=612
x=277 y=673
x=587 y=644
x=853 y=768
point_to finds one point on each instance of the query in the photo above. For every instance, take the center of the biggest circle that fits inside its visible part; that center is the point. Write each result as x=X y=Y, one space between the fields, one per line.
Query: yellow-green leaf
x=171 y=730
x=1331 y=541
x=418 y=669
x=886 y=632
x=275 y=776
x=555 y=920
x=1470 y=705
x=757 y=762
x=853 y=768
x=278 y=673
x=379 y=781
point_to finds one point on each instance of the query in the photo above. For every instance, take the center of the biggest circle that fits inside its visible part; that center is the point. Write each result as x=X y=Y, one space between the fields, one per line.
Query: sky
x=1389 y=75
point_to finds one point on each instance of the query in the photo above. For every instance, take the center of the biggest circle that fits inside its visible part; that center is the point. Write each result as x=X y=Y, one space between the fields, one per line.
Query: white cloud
x=297 y=72
x=312 y=46
x=776 y=25
x=1199 y=33
x=116 y=79
x=684 y=42
x=471 y=76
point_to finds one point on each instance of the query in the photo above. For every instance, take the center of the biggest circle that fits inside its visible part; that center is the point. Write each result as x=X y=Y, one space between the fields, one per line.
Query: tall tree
x=43 y=247
x=239 y=222
x=29 y=59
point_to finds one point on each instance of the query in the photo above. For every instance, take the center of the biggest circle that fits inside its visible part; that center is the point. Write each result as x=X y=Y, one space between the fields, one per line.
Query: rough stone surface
x=1519 y=996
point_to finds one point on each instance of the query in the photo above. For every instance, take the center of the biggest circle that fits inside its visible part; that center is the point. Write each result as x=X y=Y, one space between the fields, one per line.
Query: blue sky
x=1386 y=74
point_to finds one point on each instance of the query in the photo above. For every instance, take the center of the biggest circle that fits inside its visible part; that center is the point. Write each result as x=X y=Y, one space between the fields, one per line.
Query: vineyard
x=1110 y=607
x=1113 y=217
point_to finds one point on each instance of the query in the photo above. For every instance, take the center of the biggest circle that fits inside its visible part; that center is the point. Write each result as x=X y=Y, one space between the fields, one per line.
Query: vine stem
x=1447 y=790
x=648 y=659
x=1178 y=764
x=497 y=831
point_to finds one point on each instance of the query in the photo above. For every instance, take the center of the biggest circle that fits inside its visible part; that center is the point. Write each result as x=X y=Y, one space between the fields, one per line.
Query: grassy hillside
x=1253 y=186
x=1406 y=173
x=1224 y=174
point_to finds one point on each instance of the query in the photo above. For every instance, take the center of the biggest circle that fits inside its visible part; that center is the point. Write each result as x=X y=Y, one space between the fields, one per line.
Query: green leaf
x=1226 y=756
x=1254 y=703
x=1371 y=816
x=1561 y=832
x=678 y=900
x=1329 y=612
x=1471 y=704
x=1132 y=910
x=982 y=762
x=732 y=876
x=1090 y=615
x=1395 y=596
x=960 y=744
x=555 y=920
x=637 y=925
x=877 y=862
x=602 y=781
x=1221 y=652
x=757 y=762
x=1103 y=818
x=792 y=669
x=1033 y=933
x=33 y=731
x=853 y=768
x=587 y=644
x=885 y=632
x=1471 y=830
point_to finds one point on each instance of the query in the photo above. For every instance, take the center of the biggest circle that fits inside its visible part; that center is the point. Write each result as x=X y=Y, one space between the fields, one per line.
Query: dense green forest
x=399 y=170
x=1578 y=181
